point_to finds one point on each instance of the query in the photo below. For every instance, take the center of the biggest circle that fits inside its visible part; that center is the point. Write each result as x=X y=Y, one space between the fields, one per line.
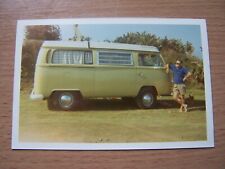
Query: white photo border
x=21 y=24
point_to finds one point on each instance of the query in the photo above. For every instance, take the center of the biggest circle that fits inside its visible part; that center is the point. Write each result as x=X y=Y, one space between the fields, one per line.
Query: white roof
x=99 y=45
x=123 y=46
x=69 y=44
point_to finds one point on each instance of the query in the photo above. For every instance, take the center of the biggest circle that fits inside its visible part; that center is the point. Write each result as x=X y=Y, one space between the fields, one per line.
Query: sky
x=101 y=32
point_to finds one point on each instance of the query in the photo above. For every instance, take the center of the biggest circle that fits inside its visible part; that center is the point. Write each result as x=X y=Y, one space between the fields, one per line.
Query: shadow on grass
x=105 y=104
x=170 y=104
x=118 y=104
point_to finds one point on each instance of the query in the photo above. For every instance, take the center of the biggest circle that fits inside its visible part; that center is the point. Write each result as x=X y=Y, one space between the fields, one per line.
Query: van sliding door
x=114 y=74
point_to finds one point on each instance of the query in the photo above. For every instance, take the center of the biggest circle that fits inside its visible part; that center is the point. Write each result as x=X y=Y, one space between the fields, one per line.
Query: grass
x=112 y=121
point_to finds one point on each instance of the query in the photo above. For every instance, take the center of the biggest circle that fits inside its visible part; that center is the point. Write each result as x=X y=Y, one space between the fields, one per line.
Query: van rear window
x=115 y=58
x=71 y=57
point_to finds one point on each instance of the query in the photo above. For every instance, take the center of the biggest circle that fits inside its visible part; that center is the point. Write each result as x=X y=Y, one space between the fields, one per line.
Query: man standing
x=180 y=75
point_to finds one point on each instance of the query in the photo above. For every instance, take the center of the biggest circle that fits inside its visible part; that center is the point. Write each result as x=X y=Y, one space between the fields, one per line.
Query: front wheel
x=146 y=99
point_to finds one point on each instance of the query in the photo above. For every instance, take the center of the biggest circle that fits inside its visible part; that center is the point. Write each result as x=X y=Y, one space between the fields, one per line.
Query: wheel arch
x=66 y=90
x=152 y=88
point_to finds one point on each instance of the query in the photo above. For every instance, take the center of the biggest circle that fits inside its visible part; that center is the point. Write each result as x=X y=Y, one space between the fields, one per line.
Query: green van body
x=97 y=80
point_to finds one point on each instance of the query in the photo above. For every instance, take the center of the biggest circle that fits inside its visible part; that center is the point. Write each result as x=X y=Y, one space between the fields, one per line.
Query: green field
x=112 y=121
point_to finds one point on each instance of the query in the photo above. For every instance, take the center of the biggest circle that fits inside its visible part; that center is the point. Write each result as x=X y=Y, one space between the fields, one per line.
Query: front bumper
x=34 y=96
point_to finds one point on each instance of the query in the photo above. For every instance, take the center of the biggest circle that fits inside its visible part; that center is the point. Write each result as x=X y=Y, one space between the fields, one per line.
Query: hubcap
x=147 y=100
x=66 y=100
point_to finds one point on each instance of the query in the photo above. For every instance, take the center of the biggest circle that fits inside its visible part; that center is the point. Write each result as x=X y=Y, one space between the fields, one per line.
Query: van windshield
x=150 y=59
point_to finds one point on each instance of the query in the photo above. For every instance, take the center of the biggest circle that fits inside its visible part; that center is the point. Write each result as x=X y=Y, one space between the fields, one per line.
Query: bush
x=29 y=56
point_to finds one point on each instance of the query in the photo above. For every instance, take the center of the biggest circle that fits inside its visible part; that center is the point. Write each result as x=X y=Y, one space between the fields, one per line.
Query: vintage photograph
x=113 y=83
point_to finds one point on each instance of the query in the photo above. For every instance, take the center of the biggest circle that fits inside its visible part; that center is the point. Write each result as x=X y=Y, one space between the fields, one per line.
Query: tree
x=34 y=36
x=29 y=55
x=142 y=38
x=170 y=49
x=165 y=42
x=189 y=48
x=43 y=32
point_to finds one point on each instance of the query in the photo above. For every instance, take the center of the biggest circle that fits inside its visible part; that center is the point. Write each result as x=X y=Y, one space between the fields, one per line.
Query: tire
x=64 y=100
x=146 y=98
x=52 y=102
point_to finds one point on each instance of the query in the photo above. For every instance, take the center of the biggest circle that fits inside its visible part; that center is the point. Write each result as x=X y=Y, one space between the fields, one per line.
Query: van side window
x=88 y=58
x=153 y=60
x=71 y=57
x=114 y=58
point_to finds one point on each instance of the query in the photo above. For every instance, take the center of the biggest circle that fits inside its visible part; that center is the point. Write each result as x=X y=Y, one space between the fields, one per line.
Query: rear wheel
x=64 y=100
x=146 y=98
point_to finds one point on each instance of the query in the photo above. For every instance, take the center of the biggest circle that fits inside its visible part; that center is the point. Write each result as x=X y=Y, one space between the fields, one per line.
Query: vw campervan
x=67 y=72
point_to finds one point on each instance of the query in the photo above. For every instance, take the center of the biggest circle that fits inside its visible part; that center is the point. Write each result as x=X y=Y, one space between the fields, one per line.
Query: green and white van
x=67 y=72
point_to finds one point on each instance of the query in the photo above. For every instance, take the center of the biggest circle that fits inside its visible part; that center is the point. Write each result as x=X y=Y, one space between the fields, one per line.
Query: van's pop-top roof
x=99 y=45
